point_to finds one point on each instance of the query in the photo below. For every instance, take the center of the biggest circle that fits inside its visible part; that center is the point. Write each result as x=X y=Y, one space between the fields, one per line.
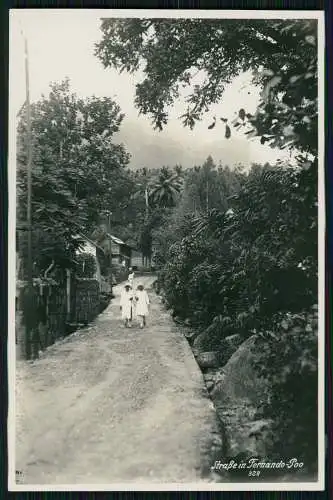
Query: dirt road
x=114 y=405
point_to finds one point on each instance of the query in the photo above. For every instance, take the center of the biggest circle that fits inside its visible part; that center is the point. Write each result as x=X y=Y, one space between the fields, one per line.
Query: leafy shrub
x=288 y=360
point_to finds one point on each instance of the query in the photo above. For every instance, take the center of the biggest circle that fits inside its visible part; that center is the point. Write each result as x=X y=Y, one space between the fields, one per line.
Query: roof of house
x=116 y=240
x=84 y=237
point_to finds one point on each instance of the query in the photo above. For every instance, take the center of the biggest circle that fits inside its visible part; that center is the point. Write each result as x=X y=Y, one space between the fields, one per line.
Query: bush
x=288 y=360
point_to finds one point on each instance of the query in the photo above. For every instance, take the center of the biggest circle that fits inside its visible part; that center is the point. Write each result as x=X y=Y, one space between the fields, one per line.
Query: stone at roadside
x=237 y=395
x=190 y=334
x=213 y=376
x=208 y=359
x=241 y=379
x=208 y=376
x=225 y=347
x=178 y=320
x=210 y=384
x=228 y=346
x=205 y=341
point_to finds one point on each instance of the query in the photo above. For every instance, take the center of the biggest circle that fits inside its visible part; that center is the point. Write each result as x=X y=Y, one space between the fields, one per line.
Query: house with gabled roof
x=100 y=249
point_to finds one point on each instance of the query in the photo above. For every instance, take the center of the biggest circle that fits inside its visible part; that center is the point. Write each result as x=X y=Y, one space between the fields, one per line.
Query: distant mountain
x=150 y=150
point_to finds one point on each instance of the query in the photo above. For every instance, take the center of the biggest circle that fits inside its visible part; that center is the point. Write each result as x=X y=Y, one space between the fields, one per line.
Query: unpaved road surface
x=114 y=405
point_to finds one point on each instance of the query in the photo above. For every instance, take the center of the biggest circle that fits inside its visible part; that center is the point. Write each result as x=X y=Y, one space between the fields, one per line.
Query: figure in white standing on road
x=131 y=277
x=126 y=305
x=142 y=303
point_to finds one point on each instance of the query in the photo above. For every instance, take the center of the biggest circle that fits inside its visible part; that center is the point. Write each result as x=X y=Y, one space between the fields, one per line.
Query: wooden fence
x=85 y=301
x=55 y=311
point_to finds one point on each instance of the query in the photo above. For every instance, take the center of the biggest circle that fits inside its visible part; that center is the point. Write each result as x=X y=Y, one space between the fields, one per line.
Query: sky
x=61 y=44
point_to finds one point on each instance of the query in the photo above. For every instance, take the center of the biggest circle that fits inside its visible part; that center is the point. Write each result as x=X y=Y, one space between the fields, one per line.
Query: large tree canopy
x=281 y=53
x=77 y=171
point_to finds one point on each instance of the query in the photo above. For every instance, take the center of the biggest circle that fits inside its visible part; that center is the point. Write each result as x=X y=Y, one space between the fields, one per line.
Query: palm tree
x=142 y=188
x=165 y=189
x=178 y=169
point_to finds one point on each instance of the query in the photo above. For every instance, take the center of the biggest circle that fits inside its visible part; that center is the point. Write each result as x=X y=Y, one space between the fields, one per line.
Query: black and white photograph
x=166 y=250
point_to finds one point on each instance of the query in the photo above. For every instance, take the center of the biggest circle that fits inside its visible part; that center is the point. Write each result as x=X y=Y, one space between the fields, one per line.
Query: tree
x=75 y=168
x=179 y=171
x=165 y=188
x=142 y=189
x=207 y=187
x=282 y=54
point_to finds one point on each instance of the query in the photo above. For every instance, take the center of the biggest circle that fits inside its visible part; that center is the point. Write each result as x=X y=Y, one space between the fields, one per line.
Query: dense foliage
x=252 y=269
x=294 y=385
x=150 y=196
x=237 y=268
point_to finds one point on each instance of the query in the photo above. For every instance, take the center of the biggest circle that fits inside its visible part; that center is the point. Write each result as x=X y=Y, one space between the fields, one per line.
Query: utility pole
x=146 y=217
x=110 y=249
x=147 y=202
x=29 y=325
x=108 y=214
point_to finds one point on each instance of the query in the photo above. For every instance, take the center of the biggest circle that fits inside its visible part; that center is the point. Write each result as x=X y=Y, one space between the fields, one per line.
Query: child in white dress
x=142 y=303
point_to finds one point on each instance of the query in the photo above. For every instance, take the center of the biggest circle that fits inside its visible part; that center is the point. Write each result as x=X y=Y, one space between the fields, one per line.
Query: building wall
x=91 y=249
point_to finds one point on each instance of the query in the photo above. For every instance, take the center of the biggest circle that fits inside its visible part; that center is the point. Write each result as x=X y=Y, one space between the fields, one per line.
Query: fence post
x=20 y=332
x=68 y=294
